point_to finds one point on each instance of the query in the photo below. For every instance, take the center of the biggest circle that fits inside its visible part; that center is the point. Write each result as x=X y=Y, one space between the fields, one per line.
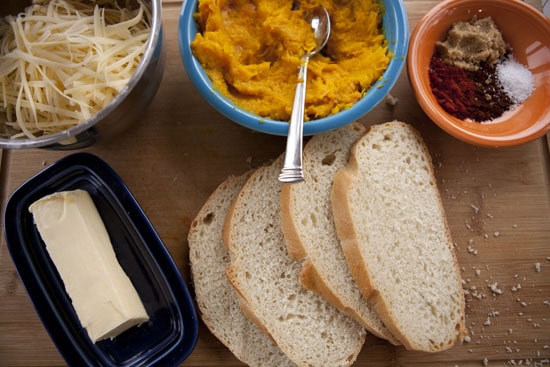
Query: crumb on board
x=485 y=288
x=495 y=289
x=391 y=101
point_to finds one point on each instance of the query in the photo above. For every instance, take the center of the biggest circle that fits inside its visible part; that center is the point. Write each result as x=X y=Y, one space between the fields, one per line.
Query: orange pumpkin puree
x=251 y=51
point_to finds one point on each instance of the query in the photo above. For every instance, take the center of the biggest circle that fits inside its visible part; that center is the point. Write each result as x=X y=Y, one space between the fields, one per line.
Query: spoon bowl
x=319 y=19
x=292 y=171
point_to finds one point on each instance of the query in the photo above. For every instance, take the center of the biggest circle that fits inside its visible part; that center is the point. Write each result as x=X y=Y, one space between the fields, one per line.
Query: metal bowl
x=122 y=111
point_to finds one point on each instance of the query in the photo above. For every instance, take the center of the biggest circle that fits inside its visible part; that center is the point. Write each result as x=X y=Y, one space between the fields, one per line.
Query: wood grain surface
x=497 y=202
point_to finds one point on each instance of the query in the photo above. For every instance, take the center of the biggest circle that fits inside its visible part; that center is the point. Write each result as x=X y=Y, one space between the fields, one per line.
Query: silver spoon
x=291 y=172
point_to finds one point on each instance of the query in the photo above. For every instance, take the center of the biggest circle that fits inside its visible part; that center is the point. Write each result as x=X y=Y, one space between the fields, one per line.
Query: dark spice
x=491 y=100
x=468 y=94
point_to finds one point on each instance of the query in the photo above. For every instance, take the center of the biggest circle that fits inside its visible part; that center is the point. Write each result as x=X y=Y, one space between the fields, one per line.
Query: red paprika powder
x=468 y=94
x=452 y=87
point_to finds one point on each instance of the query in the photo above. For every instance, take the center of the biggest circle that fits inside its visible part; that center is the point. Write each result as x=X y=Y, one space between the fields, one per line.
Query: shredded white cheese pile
x=62 y=61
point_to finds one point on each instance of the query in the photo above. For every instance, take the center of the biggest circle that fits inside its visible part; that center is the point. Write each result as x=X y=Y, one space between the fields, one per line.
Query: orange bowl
x=526 y=30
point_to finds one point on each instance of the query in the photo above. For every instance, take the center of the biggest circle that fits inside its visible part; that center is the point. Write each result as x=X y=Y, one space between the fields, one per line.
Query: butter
x=77 y=241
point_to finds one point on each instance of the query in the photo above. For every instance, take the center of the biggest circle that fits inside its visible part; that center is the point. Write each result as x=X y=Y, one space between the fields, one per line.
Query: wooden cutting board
x=497 y=202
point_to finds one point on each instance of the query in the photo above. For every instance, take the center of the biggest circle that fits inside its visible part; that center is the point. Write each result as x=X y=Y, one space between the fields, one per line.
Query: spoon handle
x=292 y=167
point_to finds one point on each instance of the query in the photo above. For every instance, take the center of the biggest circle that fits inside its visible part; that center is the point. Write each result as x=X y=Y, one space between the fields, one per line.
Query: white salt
x=516 y=80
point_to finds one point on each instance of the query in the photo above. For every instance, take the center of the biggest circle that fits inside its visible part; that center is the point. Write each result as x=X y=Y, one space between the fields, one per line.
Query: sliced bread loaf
x=308 y=227
x=216 y=299
x=392 y=226
x=309 y=330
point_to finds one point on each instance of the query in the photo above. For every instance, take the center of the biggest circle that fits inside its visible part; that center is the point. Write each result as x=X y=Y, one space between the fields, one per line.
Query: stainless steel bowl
x=123 y=110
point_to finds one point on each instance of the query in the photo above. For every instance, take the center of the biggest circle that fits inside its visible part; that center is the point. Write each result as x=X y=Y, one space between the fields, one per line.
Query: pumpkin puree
x=251 y=51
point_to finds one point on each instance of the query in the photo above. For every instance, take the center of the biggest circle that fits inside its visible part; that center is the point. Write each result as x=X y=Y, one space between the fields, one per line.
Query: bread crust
x=252 y=317
x=346 y=230
x=293 y=243
x=218 y=304
x=312 y=279
x=291 y=301
x=303 y=221
x=352 y=246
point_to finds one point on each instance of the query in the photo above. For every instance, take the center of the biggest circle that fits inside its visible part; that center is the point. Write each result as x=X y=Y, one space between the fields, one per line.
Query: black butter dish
x=171 y=333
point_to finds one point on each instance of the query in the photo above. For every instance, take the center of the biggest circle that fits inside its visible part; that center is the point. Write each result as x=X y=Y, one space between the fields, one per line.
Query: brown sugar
x=468 y=44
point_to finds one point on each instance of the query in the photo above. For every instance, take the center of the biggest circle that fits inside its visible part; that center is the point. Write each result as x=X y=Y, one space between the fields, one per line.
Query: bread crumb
x=485 y=362
x=495 y=289
x=391 y=101
x=470 y=248
x=537 y=267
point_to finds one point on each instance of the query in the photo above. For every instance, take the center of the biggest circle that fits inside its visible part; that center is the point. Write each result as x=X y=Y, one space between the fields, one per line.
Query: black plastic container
x=171 y=333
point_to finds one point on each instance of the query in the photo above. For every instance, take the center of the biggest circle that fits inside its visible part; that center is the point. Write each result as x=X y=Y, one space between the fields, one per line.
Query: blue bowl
x=395 y=27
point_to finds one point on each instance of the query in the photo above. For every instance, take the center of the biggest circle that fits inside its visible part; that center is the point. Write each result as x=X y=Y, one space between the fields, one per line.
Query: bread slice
x=309 y=330
x=216 y=299
x=392 y=226
x=308 y=227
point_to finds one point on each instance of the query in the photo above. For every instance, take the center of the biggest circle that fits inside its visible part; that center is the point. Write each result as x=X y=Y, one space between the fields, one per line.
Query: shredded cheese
x=62 y=61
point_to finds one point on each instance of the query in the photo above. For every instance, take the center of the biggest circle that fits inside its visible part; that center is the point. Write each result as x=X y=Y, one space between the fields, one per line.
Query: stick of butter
x=77 y=241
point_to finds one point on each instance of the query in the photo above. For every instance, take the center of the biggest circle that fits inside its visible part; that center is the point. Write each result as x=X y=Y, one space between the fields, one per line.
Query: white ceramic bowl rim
x=396 y=30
